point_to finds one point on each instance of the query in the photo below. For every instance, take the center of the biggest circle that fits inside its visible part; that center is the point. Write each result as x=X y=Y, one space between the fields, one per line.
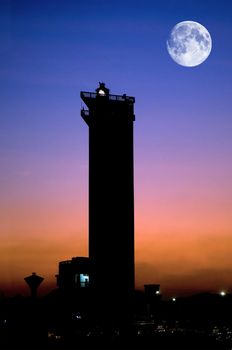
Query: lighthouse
x=110 y=120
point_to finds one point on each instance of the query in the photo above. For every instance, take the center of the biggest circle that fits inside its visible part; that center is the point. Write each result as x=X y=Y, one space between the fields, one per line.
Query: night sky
x=49 y=52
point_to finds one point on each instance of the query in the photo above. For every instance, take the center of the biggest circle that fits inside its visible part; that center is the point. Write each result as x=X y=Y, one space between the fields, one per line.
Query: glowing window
x=84 y=280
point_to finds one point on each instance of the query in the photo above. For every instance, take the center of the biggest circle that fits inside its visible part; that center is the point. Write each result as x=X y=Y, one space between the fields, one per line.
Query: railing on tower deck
x=84 y=113
x=110 y=97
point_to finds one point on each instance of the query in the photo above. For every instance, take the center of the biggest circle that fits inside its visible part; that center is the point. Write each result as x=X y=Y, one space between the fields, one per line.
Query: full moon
x=189 y=43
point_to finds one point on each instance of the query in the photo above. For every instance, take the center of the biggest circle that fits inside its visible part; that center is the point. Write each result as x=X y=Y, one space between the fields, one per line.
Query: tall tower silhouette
x=111 y=194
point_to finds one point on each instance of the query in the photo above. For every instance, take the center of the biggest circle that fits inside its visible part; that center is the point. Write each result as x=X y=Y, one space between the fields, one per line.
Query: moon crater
x=189 y=43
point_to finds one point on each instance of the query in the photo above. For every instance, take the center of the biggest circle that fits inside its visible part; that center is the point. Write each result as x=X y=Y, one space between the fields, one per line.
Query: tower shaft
x=111 y=194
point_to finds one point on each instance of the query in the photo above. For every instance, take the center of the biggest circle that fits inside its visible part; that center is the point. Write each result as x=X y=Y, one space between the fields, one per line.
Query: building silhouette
x=73 y=274
x=110 y=120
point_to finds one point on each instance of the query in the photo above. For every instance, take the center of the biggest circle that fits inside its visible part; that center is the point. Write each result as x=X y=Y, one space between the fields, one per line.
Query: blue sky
x=51 y=50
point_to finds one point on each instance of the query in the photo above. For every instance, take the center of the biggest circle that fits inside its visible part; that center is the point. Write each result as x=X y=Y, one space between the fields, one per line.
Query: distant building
x=74 y=274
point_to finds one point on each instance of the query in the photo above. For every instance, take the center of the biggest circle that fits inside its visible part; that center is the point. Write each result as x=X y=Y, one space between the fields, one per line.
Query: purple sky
x=50 y=51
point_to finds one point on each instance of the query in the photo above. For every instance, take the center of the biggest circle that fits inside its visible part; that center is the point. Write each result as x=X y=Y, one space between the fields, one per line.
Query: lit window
x=84 y=280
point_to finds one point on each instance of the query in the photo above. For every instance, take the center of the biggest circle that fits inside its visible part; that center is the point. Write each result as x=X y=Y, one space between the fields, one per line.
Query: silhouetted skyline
x=50 y=51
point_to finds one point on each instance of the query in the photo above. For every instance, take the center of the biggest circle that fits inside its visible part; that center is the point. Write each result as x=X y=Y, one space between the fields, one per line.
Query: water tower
x=33 y=282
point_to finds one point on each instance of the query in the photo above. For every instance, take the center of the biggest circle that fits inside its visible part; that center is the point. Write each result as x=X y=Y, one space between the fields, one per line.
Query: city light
x=157 y=292
x=173 y=299
x=222 y=293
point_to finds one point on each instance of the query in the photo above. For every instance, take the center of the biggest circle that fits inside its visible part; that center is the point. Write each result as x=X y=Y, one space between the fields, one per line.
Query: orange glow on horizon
x=182 y=226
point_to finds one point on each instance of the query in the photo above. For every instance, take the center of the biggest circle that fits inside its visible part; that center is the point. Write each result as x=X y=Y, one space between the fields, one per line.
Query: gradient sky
x=49 y=52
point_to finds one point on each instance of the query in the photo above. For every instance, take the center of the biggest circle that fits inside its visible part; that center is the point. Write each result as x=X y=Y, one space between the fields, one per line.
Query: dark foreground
x=55 y=322
x=143 y=336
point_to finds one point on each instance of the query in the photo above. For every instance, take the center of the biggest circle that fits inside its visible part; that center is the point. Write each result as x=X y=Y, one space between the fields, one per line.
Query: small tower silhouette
x=33 y=282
